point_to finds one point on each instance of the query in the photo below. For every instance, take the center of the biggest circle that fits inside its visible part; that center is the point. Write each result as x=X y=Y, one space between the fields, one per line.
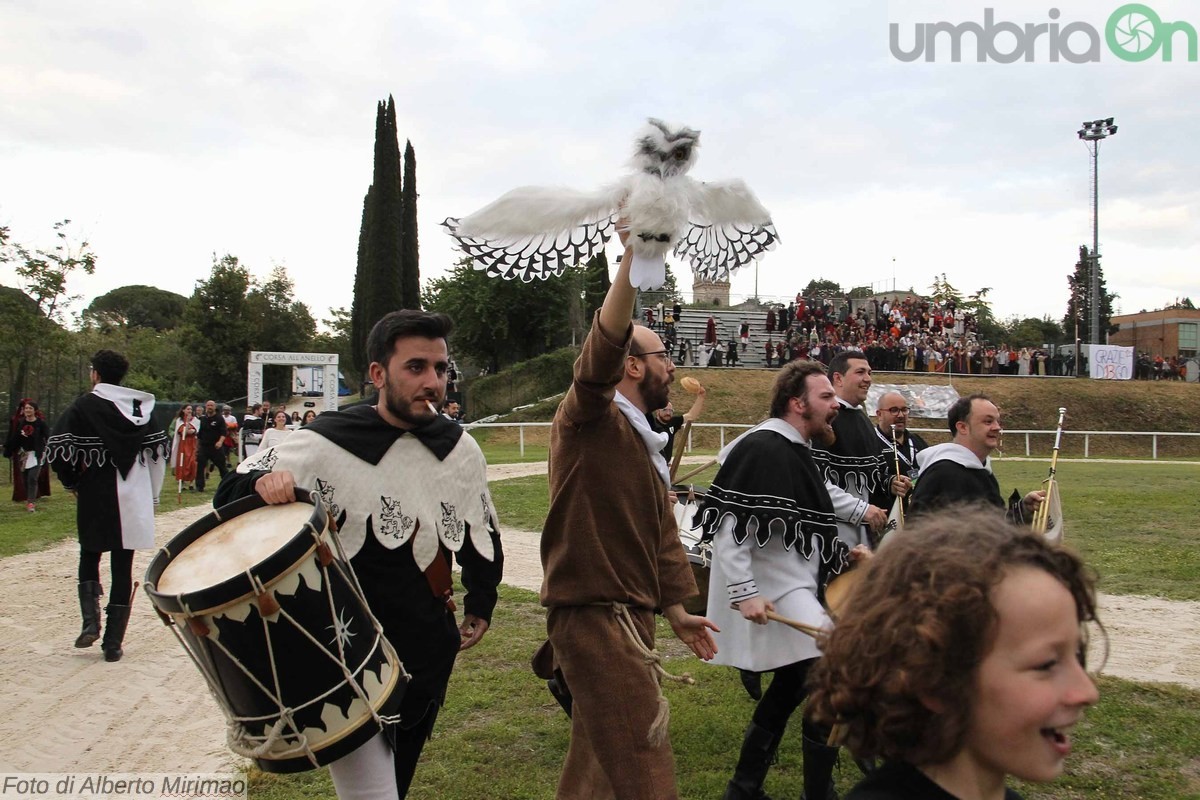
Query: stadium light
x=1092 y=133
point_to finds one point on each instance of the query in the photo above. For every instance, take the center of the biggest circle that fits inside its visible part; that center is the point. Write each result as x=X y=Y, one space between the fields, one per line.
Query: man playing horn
x=892 y=413
x=960 y=471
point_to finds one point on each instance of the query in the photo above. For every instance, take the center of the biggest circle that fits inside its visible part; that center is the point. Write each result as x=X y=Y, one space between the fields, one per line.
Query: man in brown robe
x=611 y=556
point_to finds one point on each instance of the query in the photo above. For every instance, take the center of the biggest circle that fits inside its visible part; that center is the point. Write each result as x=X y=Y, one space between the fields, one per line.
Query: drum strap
x=437 y=574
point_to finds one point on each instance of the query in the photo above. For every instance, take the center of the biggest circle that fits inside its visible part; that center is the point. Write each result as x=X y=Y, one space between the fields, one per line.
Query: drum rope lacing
x=346 y=571
x=250 y=745
x=658 y=728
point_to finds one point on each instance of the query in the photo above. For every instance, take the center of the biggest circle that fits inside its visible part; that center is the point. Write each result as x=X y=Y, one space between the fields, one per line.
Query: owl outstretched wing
x=713 y=252
x=728 y=229
x=534 y=232
x=534 y=257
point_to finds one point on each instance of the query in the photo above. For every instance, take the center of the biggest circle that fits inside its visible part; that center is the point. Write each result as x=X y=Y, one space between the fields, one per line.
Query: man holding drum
x=775 y=548
x=408 y=491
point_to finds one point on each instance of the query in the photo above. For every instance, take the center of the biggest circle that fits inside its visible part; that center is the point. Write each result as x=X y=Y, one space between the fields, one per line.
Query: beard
x=820 y=431
x=404 y=411
x=654 y=394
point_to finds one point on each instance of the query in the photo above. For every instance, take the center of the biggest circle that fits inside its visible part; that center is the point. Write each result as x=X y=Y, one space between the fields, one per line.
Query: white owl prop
x=535 y=232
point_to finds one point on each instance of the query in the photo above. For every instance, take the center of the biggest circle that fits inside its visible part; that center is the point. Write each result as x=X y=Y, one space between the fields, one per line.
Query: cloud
x=172 y=132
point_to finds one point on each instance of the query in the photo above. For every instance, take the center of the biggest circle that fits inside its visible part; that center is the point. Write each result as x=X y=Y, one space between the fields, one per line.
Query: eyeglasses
x=665 y=355
x=897 y=410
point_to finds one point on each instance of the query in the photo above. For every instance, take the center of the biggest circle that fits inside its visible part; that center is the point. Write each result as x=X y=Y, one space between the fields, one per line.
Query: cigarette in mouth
x=432 y=410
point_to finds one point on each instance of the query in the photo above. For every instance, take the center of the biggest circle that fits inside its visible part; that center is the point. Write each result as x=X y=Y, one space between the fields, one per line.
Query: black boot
x=758 y=751
x=819 y=761
x=558 y=687
x=114 y=632
x=89 y=607
x=752 y=683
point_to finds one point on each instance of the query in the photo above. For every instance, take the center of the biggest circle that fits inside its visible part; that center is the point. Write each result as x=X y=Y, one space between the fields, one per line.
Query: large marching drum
x=266 y=604
x=699 y=554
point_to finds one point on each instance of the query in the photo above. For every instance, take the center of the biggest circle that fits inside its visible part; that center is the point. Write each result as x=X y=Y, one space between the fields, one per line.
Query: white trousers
x=368 y=773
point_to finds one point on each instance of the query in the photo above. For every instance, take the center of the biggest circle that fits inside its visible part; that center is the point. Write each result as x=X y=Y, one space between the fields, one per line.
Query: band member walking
x=408 y=491
x=851 y=464
x=892 y=414
x=960 y=471
x=611 y=555
x=107 y=453
x=771 y=522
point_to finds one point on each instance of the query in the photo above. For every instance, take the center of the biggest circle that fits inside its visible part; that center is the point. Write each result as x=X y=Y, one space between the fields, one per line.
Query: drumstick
x=811 y=630
x=683 y=434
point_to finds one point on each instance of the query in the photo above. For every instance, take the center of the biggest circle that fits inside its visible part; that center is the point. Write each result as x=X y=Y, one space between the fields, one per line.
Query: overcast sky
x=172 y=131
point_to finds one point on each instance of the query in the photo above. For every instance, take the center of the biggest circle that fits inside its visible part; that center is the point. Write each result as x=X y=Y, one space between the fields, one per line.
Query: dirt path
x=70 y=711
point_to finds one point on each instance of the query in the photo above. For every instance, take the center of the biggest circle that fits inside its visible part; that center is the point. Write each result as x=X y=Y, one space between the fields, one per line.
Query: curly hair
x=918 y=626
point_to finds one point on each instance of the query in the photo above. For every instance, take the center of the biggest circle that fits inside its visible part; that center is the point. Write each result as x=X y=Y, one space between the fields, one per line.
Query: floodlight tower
x=1091 y=133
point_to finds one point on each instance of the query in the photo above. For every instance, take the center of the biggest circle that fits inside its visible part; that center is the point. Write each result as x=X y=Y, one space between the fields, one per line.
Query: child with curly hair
x=959 y=660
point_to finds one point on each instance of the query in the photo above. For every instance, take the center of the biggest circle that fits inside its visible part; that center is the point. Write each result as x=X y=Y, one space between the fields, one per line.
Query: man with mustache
x=892 y=412
x=408 y=491
x=611 y=556
x=775 y=543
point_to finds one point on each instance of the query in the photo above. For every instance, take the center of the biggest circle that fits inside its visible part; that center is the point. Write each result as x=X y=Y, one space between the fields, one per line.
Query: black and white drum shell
x=699 y=554
x=261 y=614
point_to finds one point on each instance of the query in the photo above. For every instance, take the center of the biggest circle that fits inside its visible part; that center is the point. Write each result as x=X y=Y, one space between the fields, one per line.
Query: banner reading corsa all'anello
x=1108 y=362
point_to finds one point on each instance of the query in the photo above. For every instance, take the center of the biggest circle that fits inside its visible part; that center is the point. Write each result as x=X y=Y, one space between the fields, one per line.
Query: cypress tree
x=410 y=269
x=377 y=282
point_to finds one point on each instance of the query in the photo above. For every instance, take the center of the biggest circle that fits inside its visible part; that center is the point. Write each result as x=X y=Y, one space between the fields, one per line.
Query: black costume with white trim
x=406 y=504
x=105 y=449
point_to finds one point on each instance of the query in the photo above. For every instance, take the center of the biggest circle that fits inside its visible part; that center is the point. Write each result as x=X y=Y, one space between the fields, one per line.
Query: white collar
x=774 y=424
x=654 y=442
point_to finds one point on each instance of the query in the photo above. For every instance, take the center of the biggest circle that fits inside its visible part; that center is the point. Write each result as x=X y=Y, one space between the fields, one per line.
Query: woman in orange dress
x=183 y=449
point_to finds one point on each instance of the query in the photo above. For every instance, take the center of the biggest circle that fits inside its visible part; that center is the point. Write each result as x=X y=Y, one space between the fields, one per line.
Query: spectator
x=210 y=448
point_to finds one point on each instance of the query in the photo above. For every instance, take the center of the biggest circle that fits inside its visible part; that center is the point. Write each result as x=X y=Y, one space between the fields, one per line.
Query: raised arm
x=617 y=310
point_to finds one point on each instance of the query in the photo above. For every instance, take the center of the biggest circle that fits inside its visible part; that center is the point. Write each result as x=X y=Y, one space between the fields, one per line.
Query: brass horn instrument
x=1041 y=518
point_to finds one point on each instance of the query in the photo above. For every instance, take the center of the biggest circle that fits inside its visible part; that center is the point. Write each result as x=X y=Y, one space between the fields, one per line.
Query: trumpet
x=1041 y=518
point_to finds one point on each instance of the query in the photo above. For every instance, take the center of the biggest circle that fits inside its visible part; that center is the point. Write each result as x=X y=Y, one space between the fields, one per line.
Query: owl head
x=665 y=151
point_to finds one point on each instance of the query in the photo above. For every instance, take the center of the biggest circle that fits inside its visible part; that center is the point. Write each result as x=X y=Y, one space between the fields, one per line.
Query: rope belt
x=652 y=658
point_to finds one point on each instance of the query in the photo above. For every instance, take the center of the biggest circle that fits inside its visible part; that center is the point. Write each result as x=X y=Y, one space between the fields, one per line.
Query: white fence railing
x=735 y=427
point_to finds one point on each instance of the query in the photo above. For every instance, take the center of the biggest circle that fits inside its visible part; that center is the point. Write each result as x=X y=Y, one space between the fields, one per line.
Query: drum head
x=231 y=553
x=838 y=592
x=232 y=547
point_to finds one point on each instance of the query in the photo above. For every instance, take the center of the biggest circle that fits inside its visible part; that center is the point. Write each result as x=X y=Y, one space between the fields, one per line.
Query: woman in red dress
x=183 y=448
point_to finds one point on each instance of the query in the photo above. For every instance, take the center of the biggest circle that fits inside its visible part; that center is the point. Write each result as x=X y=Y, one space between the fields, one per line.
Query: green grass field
x=502 y=736
x=1134 y=523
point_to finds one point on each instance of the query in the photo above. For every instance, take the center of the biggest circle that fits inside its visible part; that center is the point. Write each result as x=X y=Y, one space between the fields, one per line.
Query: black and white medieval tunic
x=852 y=468
x=774 y=536
x=106 y=449
x=406 y=504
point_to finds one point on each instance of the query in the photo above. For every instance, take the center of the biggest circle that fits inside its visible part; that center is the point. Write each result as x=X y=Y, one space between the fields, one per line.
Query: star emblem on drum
x=452 y=527
x=342 y=634
x=326 y=490
x=392 y=520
